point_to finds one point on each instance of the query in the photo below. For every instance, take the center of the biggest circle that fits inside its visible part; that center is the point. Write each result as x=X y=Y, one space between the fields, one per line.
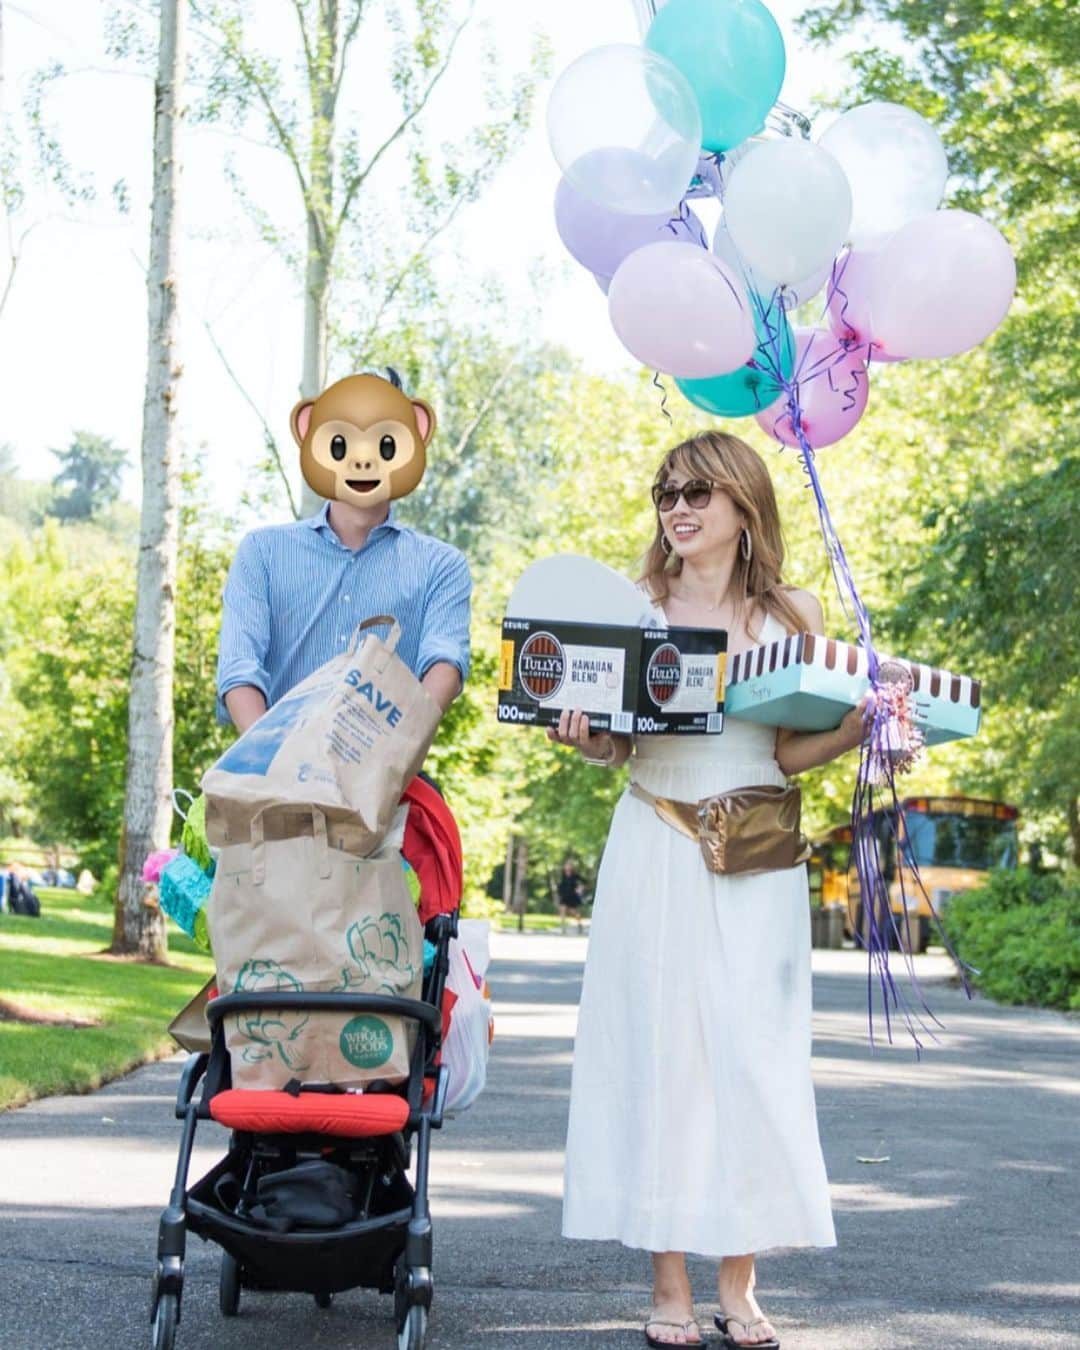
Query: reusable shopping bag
x=345 y=740
x=288 y=912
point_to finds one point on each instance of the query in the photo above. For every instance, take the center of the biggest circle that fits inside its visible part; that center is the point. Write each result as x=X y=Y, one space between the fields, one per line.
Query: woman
x=692 y=1121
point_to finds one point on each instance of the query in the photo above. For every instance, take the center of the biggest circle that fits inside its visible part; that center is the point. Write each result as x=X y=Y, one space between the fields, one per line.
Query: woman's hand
x=797 y=751
x=853 y=729
x=573 y=729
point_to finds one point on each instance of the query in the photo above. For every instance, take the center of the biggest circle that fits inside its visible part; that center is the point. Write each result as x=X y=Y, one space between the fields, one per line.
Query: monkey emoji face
x=363 y=441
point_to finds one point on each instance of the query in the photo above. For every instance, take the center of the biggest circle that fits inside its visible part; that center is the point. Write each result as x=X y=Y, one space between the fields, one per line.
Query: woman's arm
x=797 y=751
x=604 y=748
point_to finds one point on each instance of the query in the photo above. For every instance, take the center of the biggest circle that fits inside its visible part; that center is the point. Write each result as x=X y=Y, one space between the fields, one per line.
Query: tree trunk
x=508 y=875
x=313 y=378
x=519 y=882
x=139 y=928
x=1074 y=829
x=320 y=214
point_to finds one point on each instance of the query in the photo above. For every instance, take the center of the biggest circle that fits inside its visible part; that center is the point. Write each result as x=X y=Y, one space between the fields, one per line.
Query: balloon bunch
x=640 y=132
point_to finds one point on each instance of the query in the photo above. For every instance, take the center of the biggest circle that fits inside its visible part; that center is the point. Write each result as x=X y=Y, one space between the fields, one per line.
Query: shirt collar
x=320 y=522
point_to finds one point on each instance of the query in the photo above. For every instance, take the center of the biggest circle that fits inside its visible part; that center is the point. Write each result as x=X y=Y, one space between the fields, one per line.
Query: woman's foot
x=672 y=1324
x=741 y=1318
x=672 y=1320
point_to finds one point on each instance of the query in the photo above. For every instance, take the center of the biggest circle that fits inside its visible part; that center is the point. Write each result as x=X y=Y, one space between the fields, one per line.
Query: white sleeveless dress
x=692 y=1119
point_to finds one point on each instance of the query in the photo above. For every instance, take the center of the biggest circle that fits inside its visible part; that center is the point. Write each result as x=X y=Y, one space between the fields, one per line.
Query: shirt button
x=345 y=599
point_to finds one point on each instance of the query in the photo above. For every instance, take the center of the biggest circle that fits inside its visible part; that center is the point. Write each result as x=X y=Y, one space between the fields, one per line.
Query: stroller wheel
x=229 y=1285
x=324 y=1299
x=413 y=1335
x=166 y=1316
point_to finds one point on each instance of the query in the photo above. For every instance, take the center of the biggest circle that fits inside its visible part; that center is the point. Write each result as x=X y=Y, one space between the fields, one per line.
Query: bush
x=1021 y=933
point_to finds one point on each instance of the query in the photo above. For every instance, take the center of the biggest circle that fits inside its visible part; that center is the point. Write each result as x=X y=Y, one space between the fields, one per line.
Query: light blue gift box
x=808 y=683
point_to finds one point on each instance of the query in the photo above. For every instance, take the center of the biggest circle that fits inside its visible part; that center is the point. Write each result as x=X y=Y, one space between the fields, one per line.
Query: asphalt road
x=968 y=1235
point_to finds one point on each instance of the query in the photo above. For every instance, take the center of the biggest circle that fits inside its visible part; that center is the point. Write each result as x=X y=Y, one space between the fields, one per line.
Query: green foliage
x=91 y=468
x=66 y=617
x=979 y=572
x=1021 y=933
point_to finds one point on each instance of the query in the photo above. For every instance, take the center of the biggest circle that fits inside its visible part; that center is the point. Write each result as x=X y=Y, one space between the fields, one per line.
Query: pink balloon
x=941 y=285
x=832 y=386
x=679 y=310
x=849 y=303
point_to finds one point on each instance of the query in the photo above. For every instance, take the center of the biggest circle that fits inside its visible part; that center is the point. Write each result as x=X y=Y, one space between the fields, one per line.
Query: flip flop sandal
x=724 y=1320
x=683 y=1326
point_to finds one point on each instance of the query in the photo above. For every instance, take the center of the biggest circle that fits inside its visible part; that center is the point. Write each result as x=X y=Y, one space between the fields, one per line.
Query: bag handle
x=258 y=845
x=391 y=641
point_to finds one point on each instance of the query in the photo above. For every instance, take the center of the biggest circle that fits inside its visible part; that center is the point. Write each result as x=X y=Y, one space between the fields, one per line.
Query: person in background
x=571 y=894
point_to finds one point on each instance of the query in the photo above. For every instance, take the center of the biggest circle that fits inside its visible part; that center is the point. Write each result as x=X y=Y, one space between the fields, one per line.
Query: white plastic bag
x=465 y=1049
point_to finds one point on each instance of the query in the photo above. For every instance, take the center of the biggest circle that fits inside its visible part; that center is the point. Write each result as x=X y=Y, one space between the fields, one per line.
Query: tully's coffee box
x=546 y=666
x=661 y=681
x=681 y=682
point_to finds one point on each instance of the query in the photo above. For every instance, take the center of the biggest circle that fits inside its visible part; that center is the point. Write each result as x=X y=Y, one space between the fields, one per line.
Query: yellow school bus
x=953 y=841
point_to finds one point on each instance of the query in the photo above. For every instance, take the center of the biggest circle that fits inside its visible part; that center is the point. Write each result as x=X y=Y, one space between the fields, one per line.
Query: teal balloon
x=747 y=390
x=732 y=54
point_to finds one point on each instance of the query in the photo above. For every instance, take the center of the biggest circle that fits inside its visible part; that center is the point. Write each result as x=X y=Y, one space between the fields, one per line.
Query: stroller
x=341 y=1159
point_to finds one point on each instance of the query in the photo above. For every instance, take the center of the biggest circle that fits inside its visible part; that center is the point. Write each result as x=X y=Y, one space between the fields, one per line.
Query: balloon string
x=875 y=761
x=664 y=396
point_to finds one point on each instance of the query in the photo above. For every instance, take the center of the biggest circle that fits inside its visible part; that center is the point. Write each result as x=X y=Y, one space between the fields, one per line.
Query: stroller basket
x=309 y=1261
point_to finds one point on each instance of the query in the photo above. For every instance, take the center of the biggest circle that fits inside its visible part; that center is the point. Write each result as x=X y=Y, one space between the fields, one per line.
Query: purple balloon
x=849 y=303
x=600 y=239
x=833 y=390
x=679 y=310
x=941 y=285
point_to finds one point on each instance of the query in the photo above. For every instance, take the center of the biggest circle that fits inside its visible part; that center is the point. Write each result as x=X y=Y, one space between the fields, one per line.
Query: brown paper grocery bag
x=348 y=739
x=292 y=913
x=189 y=1028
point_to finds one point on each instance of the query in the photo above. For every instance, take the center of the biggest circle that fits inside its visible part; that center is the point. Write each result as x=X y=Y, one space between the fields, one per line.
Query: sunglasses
x=696 y=494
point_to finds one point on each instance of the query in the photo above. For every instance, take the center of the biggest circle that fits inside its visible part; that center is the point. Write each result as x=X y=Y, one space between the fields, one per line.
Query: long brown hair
x=737 y=469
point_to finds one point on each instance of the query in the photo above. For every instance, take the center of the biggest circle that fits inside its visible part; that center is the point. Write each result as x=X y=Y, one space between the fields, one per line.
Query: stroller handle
x=387 y=1004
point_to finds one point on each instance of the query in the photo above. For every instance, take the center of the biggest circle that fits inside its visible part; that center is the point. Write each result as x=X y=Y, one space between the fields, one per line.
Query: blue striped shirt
x=295 y=593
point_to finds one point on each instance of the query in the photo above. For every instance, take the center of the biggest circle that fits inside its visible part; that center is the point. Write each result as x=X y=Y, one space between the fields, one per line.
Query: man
x=295 y=593
x=571 y=894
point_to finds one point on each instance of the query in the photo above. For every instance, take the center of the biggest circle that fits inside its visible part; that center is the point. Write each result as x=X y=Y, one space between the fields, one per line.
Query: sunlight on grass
x=54 y=965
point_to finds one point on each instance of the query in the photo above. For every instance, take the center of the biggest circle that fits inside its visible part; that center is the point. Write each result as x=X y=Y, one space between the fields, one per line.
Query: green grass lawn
x=52 y=965
x=534 y=923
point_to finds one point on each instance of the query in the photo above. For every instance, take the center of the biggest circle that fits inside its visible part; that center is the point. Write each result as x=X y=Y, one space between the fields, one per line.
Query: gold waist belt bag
x=746 y=830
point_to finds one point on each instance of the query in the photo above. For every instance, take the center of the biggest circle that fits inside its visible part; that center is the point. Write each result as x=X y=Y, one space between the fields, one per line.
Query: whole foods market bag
x=289 y=912
x=346 y=740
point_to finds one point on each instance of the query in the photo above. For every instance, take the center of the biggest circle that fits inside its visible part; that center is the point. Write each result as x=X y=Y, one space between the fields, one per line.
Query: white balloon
x=625 y=128
x=895 y=163
x=788 y=208
x=795 y=293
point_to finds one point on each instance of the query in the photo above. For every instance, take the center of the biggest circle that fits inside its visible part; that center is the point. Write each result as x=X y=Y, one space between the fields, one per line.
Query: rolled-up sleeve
x=445 y=634
x=245 y=626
